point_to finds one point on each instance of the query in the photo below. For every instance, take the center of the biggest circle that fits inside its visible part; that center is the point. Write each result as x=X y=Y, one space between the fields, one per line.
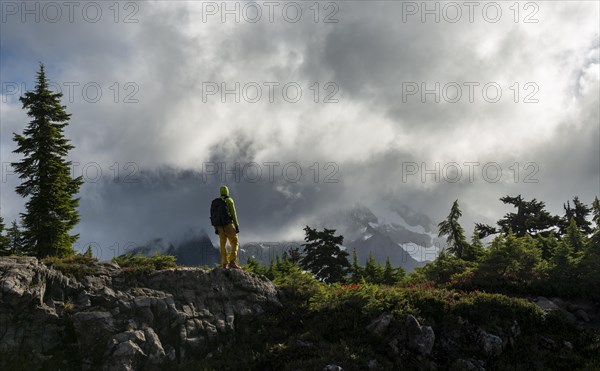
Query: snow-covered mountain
x=381 y=245
x=405 y=236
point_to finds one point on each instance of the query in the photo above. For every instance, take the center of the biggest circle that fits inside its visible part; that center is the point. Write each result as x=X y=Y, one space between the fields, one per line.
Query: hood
x=224 y=191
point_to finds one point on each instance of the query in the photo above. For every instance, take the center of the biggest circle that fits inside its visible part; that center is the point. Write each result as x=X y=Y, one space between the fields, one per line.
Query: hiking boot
x=234 y=265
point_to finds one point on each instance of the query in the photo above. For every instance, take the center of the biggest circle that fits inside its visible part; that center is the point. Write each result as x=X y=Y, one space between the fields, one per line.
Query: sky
x=306 y=108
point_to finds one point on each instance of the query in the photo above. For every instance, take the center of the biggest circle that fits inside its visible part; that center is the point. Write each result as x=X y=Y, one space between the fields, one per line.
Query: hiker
x=223 y=217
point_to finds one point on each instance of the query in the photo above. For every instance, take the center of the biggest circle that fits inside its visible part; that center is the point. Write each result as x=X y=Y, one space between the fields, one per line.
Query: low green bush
x=77 y=266
x=491 y=310
x=140 y=265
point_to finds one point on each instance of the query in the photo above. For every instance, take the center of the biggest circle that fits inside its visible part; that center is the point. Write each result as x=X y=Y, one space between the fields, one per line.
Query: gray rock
x=546 y=343
x=332 y=367
x=545 y=304
x=419 y=338
x=380 y=324
x=560 y=303
x=153 y=347
x=142 y=302
x=571 y=318
x=126 y=356
x=582 y=315
x=137 y=336
x=304 y=344
x=467 y=365
x=394 y=346
x=373 y=364
x=490 y=344
x=515 y=329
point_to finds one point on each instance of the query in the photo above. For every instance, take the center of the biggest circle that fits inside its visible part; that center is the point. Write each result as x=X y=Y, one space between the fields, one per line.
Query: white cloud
x=170 y=53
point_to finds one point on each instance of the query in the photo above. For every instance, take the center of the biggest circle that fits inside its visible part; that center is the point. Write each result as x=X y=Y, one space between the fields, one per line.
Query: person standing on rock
x=224 y=218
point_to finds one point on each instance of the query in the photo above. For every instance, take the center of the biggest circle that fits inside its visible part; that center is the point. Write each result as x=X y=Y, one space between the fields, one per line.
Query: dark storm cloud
x=170 y=135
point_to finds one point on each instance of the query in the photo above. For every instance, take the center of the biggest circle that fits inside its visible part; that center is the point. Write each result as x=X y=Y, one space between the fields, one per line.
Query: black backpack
x=219 y=215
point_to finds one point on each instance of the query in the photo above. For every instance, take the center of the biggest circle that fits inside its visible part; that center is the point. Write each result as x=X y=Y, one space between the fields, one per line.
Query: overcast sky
x=335 y=86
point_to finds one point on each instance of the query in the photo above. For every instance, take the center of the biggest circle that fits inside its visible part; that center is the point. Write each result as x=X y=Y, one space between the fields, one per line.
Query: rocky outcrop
x=412 y=337
x=111 y=320
x=419 y=338
x=380 y=324
x=583 y=314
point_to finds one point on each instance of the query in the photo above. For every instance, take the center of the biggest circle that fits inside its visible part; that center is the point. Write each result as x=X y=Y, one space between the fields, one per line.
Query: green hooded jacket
x=230 y=204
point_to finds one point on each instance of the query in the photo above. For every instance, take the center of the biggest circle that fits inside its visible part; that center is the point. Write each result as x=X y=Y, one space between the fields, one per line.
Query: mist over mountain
x=194 y=250
x=405 y=245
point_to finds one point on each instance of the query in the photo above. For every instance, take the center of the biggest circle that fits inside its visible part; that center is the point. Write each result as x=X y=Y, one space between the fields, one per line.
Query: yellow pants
x=227 y=232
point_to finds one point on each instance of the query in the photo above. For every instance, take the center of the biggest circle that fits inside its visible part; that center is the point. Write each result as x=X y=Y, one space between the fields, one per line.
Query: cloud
x=176 y=132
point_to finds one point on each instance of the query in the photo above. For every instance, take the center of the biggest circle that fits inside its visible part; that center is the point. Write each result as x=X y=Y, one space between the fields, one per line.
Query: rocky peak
x=112 y=320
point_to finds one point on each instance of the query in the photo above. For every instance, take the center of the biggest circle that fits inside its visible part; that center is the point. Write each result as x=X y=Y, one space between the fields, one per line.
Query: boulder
x=546 y=304
x=380 y=324
x=420 y=339
x=546 y=343
x=491 y=345
x=373 y=364
x=582 y=315
x=468 y=364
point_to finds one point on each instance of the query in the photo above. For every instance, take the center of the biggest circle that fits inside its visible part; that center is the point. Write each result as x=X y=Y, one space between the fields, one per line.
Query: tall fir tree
x=391 y=275
x=475 y=249
x=595 y=239
x=15 y=239
x=4 y=242
x=356 y=270
x=323 y=255
x=294 y=255
x=457 y=244
x=373 y=271
x=51 y=210
x=579 y=212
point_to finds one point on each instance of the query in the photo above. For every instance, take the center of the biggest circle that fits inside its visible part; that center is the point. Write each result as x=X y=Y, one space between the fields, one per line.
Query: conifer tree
x=595 y=239
x=15 y=239
x=392 y=276
x=483 y=230
x=45 y=173
x=475 y=249
x=457 y=244
x=579 y=212
x=4 y=242
x=547 y=245
x=530 y=218
x=476 y=241
x=323 y=255
x=574 y=238
x=561 y=269
x=356 y=270
x=294 y=255
x=589 y=266
x=373 y=270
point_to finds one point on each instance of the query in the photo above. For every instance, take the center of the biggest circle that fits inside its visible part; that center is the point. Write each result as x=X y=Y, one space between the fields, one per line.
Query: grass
x=76 y=266
x=139 y=265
